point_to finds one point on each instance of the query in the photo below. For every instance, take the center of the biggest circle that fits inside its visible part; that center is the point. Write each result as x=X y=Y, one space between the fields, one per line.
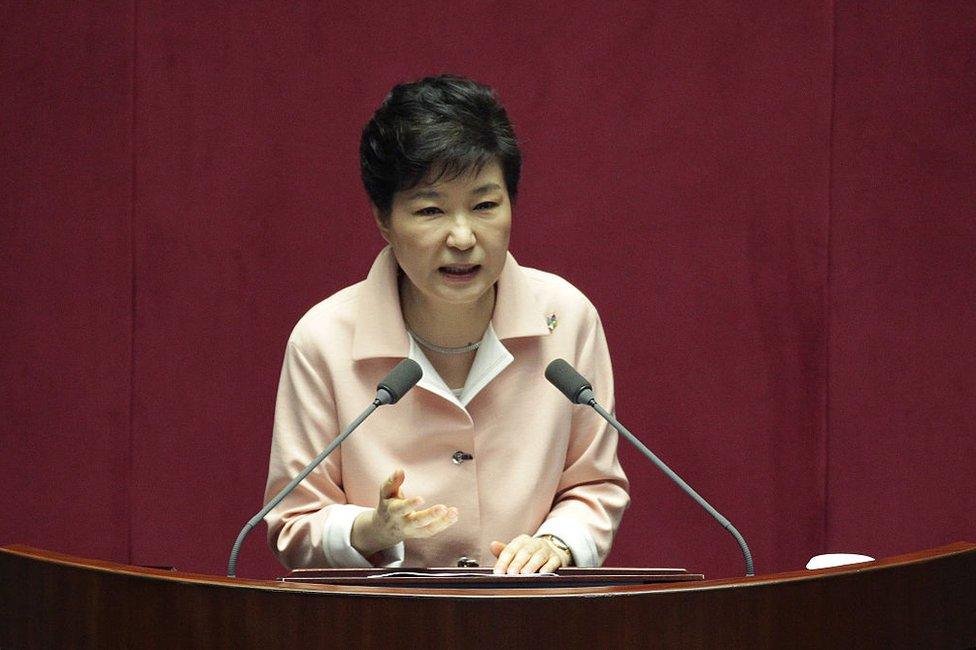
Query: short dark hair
x=444 y=126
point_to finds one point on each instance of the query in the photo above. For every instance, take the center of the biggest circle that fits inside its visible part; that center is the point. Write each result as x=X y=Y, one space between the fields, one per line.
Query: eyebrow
x=434 y=194
x=487 y=187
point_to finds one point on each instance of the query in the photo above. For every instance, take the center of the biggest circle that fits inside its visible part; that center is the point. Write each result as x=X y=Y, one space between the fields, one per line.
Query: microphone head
x=572 y=384
x=401 y=379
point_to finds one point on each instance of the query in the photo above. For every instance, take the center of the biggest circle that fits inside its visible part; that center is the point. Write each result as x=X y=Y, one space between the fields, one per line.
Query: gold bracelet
x=559 y=545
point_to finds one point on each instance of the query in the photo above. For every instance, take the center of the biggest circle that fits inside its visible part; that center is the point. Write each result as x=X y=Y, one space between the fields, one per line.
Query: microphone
x=401 y=379
x=572 y=384
x=389 y=391
x=579 y=391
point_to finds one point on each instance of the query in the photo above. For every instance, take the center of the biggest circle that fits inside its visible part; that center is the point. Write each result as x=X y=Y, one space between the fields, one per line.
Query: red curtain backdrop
x=771 y=204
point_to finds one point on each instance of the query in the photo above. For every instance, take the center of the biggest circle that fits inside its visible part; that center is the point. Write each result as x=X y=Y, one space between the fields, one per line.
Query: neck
x=446 y=324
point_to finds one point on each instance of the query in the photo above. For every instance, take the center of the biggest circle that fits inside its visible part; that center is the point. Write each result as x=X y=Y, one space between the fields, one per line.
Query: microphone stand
x=726 y=524
x=389 y=391
x=256 y=519
x=579 y=391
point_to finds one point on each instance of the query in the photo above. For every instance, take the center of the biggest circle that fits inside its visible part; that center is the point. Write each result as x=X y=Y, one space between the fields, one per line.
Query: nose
x=461 y=236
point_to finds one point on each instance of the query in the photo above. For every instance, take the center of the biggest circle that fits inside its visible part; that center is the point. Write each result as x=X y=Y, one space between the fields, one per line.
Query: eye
x=486 y=205
x=428 y=211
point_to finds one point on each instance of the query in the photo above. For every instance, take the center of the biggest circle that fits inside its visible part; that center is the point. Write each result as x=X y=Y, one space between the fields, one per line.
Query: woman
x=519 y=478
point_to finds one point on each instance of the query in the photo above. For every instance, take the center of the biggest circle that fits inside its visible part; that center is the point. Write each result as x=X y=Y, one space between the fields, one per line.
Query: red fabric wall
x=771 y=204
x=903 y=277
x=66 y=281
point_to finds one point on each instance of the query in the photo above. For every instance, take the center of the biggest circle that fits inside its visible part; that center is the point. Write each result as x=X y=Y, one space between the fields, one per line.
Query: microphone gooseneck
x=579 y=391
x=389 y=391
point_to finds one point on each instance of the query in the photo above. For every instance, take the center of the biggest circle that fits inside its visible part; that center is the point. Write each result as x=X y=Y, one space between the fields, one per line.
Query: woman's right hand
x=396 y=518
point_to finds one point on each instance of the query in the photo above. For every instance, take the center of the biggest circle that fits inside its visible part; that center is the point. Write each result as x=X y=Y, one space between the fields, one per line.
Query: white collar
x=491 y=358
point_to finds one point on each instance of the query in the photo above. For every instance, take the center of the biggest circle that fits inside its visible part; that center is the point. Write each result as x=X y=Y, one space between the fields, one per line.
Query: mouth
x=459 y=271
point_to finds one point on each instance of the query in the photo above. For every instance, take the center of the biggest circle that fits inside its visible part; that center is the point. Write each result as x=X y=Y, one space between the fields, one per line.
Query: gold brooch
x=551 y=322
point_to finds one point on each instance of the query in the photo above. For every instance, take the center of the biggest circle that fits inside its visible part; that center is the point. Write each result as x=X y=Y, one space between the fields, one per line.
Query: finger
x=496 y=548
x=391 y=486
x=403 y=507
x=552 y=565
x=432 y=514
x=436 y=526
x=515 y=566
x=507 y=553
x=420 y=518
x=537 y=560
x=504 y=558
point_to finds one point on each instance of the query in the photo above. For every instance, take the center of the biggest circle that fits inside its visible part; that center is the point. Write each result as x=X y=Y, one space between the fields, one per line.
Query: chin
x=466 y=298
x=462 y=295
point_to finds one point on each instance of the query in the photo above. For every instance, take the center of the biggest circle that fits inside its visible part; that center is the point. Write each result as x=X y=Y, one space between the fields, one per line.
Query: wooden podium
x=920 y=600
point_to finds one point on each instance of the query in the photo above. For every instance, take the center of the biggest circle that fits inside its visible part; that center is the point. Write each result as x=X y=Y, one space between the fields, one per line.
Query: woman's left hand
x=526 y=554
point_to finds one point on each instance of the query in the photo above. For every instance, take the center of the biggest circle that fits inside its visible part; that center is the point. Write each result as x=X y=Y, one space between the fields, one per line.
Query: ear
x=378 y=218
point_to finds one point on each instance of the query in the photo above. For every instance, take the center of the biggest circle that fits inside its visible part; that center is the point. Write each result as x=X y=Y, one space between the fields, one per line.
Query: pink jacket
x=540 y=464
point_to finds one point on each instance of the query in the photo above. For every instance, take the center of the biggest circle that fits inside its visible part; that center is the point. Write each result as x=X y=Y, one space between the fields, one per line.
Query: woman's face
x=451 y=237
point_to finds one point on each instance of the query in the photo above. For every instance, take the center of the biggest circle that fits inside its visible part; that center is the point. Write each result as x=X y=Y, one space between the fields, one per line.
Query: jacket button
x=460 y=456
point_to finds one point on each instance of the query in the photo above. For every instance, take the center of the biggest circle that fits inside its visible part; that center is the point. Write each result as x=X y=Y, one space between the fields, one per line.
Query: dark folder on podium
x=482 y=577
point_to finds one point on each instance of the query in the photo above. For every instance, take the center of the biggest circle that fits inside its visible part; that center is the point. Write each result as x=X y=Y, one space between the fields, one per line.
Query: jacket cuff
x=337 y=541
x=575 y=536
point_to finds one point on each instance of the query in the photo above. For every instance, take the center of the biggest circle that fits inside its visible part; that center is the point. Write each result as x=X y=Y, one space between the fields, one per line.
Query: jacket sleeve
x=311 y=527
x=592 y=493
